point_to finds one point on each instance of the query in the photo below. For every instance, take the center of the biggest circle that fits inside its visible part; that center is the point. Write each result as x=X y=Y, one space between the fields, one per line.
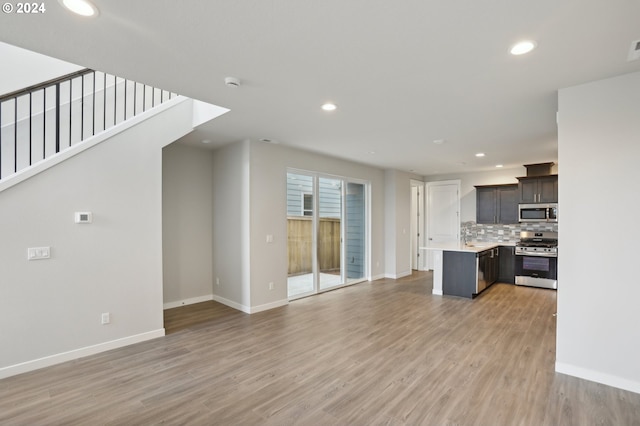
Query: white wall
x=187 y=224
x=390 y=223
x=269 y=165
x=50 y=310
x=22 y=68
x=468 y=182
x=231 y=205
x=598 y=337
x=249 y=203
x=397 y=223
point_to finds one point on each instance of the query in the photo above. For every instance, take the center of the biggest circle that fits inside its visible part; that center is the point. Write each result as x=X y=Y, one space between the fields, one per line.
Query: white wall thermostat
x=83 y=217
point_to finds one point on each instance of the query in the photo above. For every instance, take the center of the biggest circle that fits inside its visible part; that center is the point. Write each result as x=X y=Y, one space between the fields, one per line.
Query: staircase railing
x=42 y=120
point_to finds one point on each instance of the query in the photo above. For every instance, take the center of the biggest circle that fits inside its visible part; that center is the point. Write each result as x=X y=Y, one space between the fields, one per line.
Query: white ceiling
x=403 y=73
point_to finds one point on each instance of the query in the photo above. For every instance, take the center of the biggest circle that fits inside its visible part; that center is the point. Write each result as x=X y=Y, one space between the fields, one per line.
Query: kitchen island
x=465 y=269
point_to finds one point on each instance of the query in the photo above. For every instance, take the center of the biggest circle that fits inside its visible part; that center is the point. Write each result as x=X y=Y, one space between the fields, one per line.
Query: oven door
x=537 y=271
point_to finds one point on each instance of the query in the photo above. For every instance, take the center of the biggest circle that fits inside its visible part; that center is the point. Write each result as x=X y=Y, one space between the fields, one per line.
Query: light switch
x=269 y=238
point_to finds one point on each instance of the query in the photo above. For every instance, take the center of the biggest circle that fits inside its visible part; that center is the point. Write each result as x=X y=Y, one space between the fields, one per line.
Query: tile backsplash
x=501 y=233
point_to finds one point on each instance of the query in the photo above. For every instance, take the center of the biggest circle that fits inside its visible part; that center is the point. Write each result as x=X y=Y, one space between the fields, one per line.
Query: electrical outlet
x=217 y=280
x=35 y=253
x=271 y=285
x=106 y=318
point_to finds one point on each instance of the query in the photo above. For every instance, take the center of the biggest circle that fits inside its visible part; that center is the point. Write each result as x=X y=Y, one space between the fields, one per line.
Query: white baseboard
x=232 y=304
x=48 y=361
x=404 y=274
x=189 y=301
x=598 y=377
x=267 y=306
x=436 y=292
x=398 y=276
x=249 y=309
x=377 y=277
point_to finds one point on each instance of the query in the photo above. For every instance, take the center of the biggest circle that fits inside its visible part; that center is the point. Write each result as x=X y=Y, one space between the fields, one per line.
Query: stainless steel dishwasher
x=483 y=259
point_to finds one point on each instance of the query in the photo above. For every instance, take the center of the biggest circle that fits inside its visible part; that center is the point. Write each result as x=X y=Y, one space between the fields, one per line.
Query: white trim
x=267 y=306
x=189 y=301
x=48 y=361
x=377 y=277
x=232 y=304
x=398 y=276
x=420 y=223
x=250 y=309
x=76 y=149
x=598 y=377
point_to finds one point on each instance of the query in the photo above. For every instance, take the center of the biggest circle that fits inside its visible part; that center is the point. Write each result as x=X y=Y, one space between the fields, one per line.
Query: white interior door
x=417 y=225
x=443 y=215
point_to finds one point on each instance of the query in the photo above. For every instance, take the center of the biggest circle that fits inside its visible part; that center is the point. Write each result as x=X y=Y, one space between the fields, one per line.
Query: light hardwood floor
x=386 y=352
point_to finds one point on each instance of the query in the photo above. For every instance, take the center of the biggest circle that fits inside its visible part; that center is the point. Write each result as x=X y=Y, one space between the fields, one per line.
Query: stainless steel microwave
x=538 y=212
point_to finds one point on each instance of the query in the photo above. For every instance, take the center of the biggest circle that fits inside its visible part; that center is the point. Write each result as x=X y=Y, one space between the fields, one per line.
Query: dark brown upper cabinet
x=538 y=189
x=497 y=204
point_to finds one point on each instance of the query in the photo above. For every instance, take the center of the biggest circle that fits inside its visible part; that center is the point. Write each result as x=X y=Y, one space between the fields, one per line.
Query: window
x=307 y=204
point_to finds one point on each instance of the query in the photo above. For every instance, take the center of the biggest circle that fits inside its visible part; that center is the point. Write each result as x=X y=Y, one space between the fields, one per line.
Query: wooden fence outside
x=299 y=236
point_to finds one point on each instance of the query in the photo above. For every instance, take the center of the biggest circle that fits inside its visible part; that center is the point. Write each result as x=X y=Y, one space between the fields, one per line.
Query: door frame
x=418 y=217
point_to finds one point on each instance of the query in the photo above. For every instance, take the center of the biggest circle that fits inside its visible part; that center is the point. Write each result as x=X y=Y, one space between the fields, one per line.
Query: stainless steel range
x=537 y=259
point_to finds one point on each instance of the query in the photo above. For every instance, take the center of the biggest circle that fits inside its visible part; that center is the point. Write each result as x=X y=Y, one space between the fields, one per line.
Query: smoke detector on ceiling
x=634 y=51
x=232 y=81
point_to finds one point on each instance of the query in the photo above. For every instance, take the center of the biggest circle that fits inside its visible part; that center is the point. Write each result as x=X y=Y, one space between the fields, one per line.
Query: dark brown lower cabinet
x=467 y=274
x=507 y=269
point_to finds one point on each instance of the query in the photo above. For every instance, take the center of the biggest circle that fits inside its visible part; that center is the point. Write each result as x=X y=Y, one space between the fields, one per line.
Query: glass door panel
x=355 y=232
x=300 y=201
x=329 y=232
x=326 y=233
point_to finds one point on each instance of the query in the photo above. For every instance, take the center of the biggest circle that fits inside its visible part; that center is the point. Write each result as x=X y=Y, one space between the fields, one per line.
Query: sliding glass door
x=326 y=227
x=329 y=233
x=355 y=232
x=300 y=241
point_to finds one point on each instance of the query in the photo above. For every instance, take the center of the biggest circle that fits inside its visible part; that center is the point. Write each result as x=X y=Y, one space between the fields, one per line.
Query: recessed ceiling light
x=439 y=141
x=372 y=152
x=523 y=47
x=329 y=106
x=480 y=154
x=206 y=141
x=499 y=166
x=80 y=7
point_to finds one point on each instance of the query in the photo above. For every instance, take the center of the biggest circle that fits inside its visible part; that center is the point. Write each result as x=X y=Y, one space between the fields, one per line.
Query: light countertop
x=471 y=246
